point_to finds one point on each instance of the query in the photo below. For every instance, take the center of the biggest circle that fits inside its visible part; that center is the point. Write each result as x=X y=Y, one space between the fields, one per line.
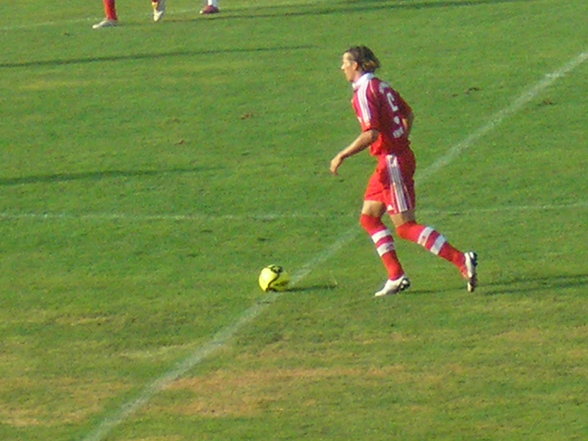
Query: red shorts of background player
x=392 y=183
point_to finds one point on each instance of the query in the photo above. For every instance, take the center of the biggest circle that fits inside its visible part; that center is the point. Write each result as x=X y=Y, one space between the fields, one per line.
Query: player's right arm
x=363 y=141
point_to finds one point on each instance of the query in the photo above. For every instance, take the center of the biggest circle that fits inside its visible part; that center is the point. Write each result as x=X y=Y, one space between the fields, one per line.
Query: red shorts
x=392 y=183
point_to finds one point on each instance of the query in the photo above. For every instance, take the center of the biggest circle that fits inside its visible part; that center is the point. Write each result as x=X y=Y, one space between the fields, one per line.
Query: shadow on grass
x=515 y=286
x=508 y=287
x=312 y=288
x=92 y=176
x=274 y=12
x=535 y=284
x=331 y=287
x=347 y=6
x=150 y=56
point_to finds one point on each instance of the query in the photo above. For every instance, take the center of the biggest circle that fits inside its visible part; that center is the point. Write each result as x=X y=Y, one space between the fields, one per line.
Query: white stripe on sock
x=376 y=237
x=424 y=236
x=385 y=248
x=436 y=248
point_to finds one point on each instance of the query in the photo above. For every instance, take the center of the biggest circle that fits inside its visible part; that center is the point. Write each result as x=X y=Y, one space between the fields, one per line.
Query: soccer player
x=111 y=18
x=210 y=8
x=386 y=120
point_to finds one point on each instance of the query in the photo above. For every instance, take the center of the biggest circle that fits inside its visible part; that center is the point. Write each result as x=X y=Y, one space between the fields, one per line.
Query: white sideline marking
x=582 y=204
x=220 y=339
x=499 y=116
x=159 y=217
x=263 y=217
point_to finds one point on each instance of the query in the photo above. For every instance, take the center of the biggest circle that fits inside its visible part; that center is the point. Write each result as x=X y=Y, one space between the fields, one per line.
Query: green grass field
x=149 y=172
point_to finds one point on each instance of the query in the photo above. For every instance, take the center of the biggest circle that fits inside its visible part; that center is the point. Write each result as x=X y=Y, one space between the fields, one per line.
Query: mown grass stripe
x=129 y=217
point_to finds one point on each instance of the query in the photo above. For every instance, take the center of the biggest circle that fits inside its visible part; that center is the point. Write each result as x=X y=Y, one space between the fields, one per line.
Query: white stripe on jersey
x=362 y=100
x=360 y=91
x=397 y=183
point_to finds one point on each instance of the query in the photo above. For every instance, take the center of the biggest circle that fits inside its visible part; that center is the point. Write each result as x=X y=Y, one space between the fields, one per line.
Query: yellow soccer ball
x=273 y=278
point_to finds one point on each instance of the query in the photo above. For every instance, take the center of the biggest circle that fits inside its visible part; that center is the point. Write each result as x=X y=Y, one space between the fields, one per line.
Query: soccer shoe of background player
x=106 y=23
x=393 y=286
x=470 y=270
x=158 y=10
x=210 y=9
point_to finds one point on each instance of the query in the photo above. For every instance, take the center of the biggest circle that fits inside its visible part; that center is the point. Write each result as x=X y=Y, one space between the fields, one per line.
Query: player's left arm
x=408 y=115
x=407 y=121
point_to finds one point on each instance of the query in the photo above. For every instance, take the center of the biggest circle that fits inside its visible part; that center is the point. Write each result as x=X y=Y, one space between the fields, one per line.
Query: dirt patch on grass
x=248 y=393
x=158 y=438
x=53 y=402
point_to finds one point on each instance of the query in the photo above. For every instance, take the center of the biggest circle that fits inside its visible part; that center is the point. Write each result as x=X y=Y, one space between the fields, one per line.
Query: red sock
x=382 y=238
x=110 y=9
x=431 y=240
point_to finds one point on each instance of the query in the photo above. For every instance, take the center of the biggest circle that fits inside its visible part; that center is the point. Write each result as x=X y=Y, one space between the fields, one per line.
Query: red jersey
x=380 y=107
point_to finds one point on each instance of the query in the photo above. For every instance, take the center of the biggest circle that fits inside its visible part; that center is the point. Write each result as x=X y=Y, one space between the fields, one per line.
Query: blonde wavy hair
x=363 y=55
